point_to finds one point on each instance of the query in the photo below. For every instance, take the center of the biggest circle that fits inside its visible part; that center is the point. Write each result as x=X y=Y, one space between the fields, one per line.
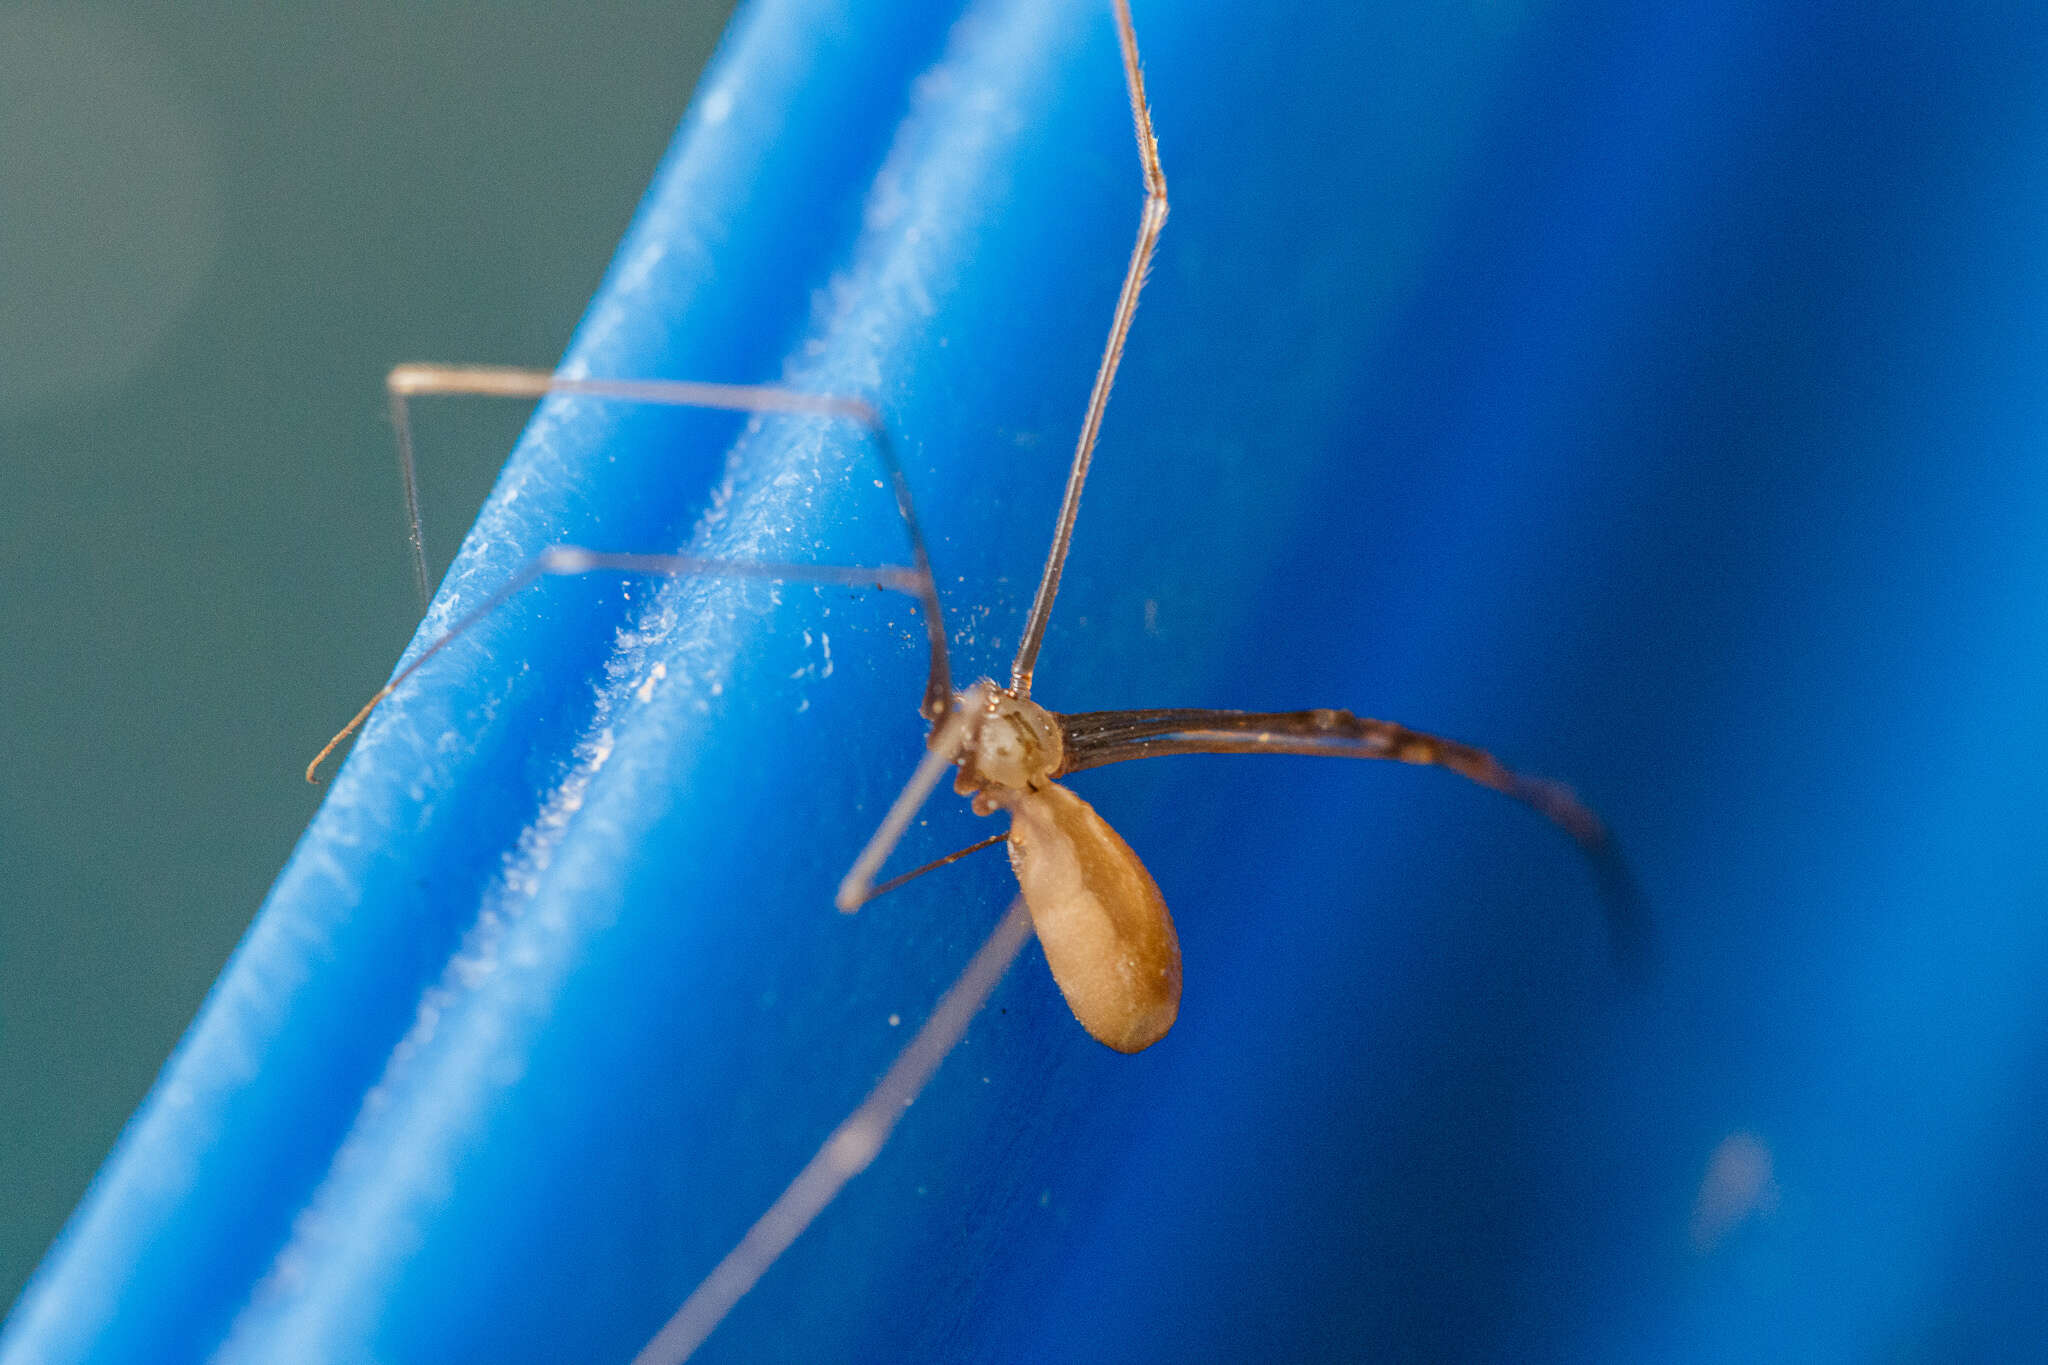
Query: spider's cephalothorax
x=1013 y=746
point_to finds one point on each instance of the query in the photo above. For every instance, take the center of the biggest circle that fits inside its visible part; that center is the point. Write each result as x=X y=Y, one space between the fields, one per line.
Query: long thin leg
x=904 y=878
x=409 y=482
x=1093 y=738
x=1150 y=220
x=845 y=1154
x=500 y=381
x=565 y=560
x=856 y=889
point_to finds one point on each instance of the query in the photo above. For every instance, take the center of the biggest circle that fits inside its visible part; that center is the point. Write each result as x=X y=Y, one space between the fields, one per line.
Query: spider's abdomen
x=1105 y=928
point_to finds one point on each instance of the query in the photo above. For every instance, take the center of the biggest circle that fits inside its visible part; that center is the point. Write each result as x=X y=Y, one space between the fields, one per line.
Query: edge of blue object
x=550 y=1001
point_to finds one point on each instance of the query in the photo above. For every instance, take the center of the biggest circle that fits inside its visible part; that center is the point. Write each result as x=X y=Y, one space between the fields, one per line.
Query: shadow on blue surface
x=1654 y=397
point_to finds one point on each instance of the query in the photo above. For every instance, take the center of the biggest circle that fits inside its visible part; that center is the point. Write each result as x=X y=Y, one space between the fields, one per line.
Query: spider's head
x=1013 y=747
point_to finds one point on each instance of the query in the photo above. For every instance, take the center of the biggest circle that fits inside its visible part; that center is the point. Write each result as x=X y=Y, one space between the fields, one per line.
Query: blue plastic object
x=1650 y=393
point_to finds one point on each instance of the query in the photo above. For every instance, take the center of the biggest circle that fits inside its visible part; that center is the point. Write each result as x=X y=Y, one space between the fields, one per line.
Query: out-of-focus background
x=219 y=225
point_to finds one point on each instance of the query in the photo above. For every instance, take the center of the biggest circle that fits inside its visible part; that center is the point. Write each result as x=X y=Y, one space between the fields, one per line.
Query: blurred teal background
x=219 y=225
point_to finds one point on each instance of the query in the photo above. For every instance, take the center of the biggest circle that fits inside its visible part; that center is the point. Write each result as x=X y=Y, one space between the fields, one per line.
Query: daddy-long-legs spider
x=664 y=792
x=1105 y=928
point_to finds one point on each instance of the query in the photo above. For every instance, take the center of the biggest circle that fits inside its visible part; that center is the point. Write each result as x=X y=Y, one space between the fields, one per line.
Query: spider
x=1099 y=915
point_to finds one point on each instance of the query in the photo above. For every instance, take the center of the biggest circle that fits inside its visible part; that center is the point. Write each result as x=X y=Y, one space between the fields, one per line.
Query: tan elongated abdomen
x=1099 y=915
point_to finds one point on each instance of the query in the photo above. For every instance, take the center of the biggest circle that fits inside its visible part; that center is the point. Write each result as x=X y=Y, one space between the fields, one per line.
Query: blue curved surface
x=1652 y=396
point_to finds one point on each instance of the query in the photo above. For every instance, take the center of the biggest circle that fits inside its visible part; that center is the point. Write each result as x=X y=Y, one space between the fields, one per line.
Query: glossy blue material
x=1651 y=393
